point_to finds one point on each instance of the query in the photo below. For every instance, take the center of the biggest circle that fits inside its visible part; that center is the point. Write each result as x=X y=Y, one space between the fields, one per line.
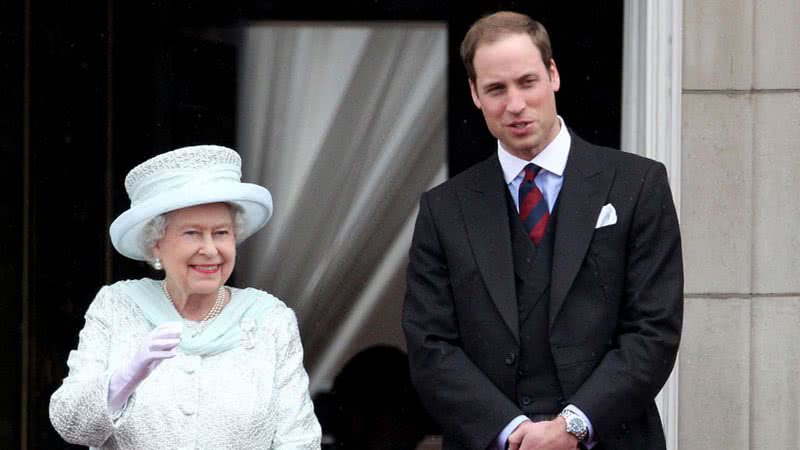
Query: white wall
x=740 y=213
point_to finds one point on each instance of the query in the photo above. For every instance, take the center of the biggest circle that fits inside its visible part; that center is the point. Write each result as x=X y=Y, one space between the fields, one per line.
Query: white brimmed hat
x=185 y=177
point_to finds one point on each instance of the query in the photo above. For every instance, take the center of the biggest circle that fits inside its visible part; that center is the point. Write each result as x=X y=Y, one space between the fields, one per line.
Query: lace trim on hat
x=197 y=157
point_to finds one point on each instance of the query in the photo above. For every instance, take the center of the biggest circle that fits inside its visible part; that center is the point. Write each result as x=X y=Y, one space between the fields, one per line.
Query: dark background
x=89 y=89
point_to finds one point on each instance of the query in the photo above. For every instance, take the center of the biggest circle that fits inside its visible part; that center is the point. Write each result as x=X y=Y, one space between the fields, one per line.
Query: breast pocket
x=604 y=233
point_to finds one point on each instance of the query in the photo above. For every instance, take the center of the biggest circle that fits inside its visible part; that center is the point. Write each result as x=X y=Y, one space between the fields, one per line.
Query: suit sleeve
x=650 y=317
x=468 y=406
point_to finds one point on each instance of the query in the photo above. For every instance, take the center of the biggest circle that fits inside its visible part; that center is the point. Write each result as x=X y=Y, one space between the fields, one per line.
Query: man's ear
x=555 y=78
x=473 y=91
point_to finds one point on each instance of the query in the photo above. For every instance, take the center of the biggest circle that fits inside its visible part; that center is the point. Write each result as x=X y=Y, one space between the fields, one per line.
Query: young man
x=545 y=284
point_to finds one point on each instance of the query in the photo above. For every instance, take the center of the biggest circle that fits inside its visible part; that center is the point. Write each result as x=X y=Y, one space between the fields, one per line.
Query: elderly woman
x=187 y=362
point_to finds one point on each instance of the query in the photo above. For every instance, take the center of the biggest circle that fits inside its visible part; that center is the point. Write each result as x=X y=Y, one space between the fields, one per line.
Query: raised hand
x=157 y=346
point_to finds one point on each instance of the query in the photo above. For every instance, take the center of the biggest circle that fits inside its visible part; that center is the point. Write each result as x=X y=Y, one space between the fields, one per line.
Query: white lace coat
x=242 y=398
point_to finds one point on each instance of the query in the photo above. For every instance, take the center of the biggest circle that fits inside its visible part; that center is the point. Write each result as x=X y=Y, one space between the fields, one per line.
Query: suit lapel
x=582 y=196
x=483 y=203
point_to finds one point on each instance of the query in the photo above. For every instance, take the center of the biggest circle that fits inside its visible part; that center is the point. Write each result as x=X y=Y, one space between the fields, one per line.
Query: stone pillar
x=740 y=356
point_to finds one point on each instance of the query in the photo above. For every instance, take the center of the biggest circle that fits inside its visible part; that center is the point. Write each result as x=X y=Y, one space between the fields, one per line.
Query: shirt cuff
x=589 y=442
x=502 y=438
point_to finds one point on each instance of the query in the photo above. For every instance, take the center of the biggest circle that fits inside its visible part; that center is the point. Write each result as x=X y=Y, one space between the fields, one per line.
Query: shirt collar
x=553 y=158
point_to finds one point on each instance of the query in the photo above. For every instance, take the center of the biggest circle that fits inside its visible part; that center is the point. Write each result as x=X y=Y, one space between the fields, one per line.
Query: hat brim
x=254 y=200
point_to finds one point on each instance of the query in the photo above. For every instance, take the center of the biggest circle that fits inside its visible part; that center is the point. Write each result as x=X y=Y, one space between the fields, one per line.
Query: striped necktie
x=532 y=205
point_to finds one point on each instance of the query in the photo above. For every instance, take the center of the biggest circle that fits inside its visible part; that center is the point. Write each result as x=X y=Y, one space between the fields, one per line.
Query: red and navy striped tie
x=532 y=205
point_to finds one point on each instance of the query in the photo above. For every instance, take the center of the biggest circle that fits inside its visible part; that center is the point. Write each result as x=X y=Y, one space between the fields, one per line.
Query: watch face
x=575 y=425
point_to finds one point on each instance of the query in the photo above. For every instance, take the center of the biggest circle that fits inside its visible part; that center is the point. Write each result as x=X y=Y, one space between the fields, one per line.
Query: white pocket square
x=608 y=216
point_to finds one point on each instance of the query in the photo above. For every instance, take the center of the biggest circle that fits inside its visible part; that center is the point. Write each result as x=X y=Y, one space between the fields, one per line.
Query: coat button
x=526 y=400
x=191 y=364
x=510 y=358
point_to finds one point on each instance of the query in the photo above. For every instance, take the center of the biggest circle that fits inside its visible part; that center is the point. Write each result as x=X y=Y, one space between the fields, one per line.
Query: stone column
x=740 y=356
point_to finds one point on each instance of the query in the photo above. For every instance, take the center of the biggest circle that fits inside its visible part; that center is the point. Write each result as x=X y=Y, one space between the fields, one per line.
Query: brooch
x=248 y=328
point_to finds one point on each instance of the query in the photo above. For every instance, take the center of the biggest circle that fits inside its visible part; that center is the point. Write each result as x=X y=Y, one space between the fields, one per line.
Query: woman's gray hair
x=154 y=229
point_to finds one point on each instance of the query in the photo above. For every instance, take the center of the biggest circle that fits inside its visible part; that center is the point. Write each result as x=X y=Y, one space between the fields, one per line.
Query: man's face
x=516 y=93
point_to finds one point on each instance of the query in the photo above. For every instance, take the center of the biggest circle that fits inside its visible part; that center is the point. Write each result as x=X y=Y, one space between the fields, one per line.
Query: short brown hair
x=491 y=28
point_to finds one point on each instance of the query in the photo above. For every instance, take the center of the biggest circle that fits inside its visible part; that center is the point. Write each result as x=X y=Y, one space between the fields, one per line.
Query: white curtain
x=346 y=126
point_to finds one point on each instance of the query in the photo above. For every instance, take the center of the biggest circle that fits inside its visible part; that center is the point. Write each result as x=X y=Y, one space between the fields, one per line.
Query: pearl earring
x=157 y=264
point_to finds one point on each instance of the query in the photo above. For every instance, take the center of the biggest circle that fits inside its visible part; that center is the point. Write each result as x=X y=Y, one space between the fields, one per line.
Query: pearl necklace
x=212 y=313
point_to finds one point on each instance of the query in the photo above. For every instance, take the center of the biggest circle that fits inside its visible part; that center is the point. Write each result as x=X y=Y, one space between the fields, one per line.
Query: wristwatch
x=576 y=426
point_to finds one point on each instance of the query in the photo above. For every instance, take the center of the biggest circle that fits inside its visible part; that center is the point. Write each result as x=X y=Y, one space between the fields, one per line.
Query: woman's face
x=198 y=250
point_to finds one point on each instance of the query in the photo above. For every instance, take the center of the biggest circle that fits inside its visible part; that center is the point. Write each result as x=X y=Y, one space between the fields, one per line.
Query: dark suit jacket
x=616 y=299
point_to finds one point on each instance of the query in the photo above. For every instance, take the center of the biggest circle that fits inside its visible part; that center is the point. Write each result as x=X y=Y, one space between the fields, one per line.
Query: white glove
x=157 y=346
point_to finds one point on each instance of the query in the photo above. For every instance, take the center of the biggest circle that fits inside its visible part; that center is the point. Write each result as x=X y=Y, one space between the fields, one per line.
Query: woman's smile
x=206 y=269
